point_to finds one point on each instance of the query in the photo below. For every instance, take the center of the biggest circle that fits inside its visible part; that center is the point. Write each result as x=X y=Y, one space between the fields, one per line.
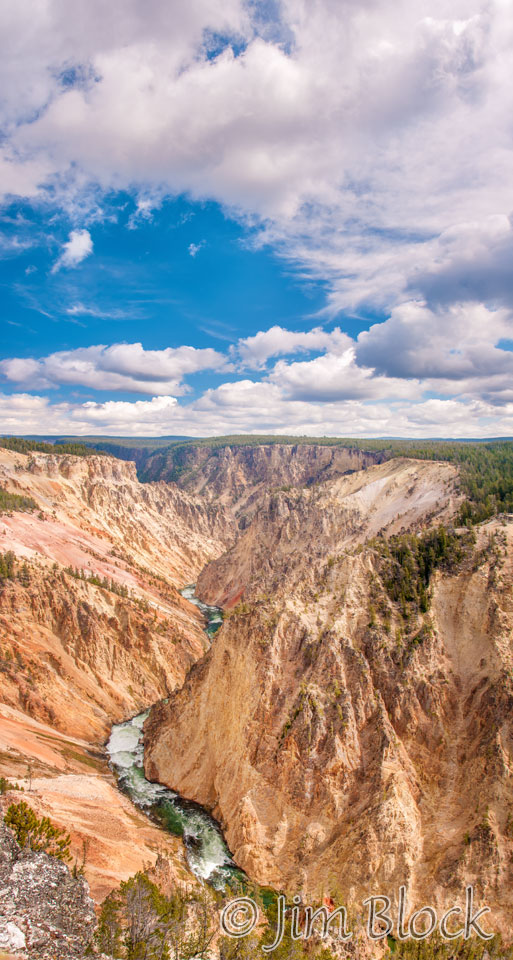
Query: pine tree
x=37 y=834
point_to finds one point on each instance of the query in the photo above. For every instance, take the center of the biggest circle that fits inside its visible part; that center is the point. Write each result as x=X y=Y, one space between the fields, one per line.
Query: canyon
x=344 y=747
x=93 y=630
x=345 y=750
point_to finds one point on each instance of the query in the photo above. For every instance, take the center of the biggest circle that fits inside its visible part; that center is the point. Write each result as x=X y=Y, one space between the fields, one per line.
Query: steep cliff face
x=297 y=528
x=81 y=657
x=238 y=475
x=93 y=630
x=95 y=513
x=343 y=746
x=92 y=627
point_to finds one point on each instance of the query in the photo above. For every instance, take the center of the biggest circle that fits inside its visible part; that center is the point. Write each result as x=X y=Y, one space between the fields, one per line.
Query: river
x=207 y=853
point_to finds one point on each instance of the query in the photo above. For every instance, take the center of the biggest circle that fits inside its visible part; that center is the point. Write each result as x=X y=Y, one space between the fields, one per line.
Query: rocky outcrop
x=93 y=512
x=344 y=748
x=80 y=657
x=44 y=912
x=68 y=780
x=297 y=529
x=92 y=627
x=93 y=630
x=236 y=476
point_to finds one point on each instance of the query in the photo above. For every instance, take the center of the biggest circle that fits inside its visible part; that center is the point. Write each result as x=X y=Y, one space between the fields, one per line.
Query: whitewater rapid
x=207 y=853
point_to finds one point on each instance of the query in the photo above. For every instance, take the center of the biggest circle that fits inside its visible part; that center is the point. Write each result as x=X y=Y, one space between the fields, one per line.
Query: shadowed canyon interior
x=345 y=741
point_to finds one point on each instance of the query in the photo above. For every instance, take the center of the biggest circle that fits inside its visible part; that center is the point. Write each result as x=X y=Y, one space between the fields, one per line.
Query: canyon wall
x=92 y=631
x=92 y=627
x=344 y=748
x=238 y=475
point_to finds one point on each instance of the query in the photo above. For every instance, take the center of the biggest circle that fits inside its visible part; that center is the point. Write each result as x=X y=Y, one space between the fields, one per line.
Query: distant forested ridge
x=21 y=445
x=485 y=466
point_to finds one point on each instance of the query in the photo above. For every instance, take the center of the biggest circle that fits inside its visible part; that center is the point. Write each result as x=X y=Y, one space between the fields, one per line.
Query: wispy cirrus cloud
x=80 y=309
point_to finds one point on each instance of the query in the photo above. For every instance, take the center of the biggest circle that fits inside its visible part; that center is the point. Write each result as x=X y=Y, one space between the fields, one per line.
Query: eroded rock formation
x=343 y=747
x=92 y=631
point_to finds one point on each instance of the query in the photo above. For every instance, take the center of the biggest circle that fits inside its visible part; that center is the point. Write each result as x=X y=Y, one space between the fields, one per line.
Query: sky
x=256 y=216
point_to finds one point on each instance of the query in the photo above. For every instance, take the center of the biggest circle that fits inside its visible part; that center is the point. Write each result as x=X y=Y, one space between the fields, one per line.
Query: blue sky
x=256 y=217
x=184 y=274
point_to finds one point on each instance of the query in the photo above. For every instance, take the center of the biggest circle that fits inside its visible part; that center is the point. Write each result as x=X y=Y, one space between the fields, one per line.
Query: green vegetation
x=15 y=501
x=486 y=467
x=6 y=785
x=37 y=834
x=141 y=444
x=10 y=569
x=486 y=471
x=408 y=562
x=124 y=448
x=21 y=445
x=118 y=588
x=138 y=922
x=7 y=565
x=435 y=948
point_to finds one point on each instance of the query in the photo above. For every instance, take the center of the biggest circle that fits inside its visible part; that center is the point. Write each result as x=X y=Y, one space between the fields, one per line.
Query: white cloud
x=337 y=377
x=365 y=141
x=391 y=365
x=92 y=310
x=452 y=349
x=76 y=249
x=251 y=407
x=351 y=128
x=21 y=370
x=194 y=248
x=470 y=261
x=122 y=366
x=12 y=246
x=253 y=352
x=145 y=207
x=119 y=412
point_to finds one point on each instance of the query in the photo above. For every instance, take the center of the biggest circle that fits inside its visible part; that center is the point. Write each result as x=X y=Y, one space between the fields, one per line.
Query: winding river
x=207 y=853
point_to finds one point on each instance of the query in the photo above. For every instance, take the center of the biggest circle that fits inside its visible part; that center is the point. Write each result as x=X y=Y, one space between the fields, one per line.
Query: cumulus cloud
x=452 y=349
x=387 y=368
x=253 y=352
x=24 y=412
x=337 y=377
x=76 y=249
x=121 y=366
x=246 y=406
x=365 y=142
x=118 y=413
x=352 y=133
x=469 y=262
